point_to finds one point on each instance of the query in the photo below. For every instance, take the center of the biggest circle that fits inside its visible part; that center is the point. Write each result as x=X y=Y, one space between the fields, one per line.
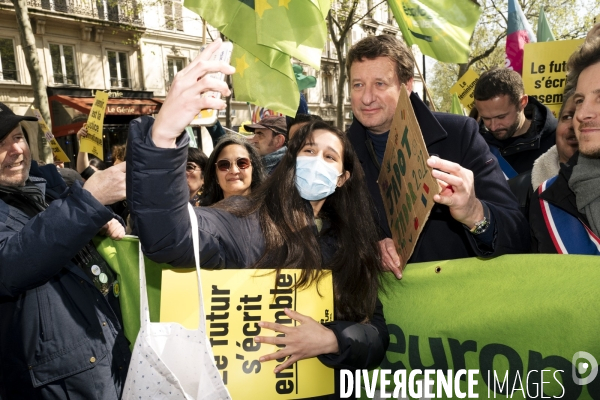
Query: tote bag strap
x=144 y=311
x=196 y=241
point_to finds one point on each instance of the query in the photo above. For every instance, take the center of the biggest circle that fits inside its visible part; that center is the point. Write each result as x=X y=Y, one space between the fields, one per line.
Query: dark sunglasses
x=225 y=165
x=192 y=167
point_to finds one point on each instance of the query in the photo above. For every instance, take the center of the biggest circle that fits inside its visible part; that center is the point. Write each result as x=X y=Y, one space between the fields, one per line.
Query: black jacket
x=158 y=195
x=59 y=335
x=453 y=138
x=560 y=195
x=522 y=151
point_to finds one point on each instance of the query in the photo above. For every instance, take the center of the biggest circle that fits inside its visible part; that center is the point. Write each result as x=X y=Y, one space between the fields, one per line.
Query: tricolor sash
x=507 y=169
x=569 y=234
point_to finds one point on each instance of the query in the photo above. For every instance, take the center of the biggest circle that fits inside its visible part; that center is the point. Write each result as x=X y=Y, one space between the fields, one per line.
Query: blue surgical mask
x=315 y=178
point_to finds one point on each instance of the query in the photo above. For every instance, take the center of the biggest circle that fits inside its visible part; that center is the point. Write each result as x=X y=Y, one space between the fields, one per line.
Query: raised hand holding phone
x=208 y=117
x=187 y=98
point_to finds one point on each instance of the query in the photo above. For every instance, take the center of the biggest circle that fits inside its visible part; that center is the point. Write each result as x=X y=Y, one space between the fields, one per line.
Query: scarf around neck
x=271 y=160
x=585 y=183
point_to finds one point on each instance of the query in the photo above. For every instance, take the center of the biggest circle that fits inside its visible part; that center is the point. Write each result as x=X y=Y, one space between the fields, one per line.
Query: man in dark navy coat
x=60 y=332
x=476 y=214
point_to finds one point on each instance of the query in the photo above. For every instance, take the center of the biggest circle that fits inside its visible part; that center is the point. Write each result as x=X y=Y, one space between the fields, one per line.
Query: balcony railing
x=9 y=75
x=120 y=83
x=328 y=98
x=126 y=12
x=65 y=80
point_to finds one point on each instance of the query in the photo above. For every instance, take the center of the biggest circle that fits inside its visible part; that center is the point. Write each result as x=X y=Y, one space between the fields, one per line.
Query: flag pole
x=422 y=79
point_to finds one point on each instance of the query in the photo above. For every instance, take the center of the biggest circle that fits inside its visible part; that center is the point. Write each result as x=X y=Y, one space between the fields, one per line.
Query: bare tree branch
x=369 y=11
x=489 y=51
x=499 y=11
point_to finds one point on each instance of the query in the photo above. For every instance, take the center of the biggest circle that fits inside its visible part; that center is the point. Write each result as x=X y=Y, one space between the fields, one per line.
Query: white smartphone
x=209 y=116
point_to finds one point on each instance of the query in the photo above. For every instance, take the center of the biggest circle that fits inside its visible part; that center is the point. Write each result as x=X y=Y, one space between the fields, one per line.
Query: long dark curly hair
x=287 y=223
x=212 y=192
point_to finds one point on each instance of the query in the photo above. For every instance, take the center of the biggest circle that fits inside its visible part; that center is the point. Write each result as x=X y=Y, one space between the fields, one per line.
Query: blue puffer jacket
x=157 y=194
x=59 y=336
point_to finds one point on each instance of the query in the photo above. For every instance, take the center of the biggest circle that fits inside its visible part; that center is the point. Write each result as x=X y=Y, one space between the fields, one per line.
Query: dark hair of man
x=588 y=54
x=212 y=192
x=286 y=220
x=499 y=82
x=301 y=119
x=198 y=157
x=389 y=46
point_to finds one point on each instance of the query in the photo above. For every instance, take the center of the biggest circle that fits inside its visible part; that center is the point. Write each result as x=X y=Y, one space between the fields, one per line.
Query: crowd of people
x=296 y=193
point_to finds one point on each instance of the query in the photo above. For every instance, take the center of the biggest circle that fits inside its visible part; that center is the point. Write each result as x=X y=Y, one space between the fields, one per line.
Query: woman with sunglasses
x=313 y=213
x=233 y=169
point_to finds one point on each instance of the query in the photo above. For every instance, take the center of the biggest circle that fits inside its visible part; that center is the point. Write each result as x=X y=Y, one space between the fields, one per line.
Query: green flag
x=544 y=33
x=456 y=106
x=441 y=28
x=236 y=19
x=295 y=27
x=257 y=83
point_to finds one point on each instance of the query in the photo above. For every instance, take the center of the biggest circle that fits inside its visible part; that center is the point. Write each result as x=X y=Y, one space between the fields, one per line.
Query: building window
x=63 y=65
x=8 y=65
x=108 y=10
x=118 y=69
x=174 y=65
x=173 y=15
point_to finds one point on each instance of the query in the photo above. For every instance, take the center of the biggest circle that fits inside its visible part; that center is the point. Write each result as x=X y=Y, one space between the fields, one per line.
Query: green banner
x=123 y=258
x=509 y=318
x=514 y=314
x=441 y=28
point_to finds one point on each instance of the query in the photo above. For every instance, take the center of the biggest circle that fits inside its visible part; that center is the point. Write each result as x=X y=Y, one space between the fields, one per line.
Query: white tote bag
x=168 y=360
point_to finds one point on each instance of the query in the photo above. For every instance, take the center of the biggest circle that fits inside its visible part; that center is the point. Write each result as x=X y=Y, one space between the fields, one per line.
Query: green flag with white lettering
x=441 y=28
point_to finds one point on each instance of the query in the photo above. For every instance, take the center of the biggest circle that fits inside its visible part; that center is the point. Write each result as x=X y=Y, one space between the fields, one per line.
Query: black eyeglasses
x=191 y=167
x=225 y=165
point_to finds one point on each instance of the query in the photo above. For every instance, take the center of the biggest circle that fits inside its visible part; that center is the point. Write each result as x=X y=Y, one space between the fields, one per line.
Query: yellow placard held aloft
x=465 y=88
x=545 y=71
x=235 y=301
x=57 y=151
x=92 y=143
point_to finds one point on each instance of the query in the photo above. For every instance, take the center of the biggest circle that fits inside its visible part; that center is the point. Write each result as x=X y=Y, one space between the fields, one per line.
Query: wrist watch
x=480 y=226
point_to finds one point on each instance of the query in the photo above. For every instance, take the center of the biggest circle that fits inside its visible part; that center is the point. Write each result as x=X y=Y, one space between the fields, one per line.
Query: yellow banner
x=545 y=71
x=465 y=88
x=57 y=151
x=92 y=143
x=234 y=302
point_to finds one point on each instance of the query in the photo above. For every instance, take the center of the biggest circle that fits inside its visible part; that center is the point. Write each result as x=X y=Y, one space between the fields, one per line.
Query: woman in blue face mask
x=313 y=213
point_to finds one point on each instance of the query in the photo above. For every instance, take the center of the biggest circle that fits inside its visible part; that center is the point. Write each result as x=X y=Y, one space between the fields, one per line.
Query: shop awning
x=115 y=106
x=65 y=123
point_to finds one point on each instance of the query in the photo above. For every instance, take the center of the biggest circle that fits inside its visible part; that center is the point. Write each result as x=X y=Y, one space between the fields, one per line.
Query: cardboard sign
x=234 y=302
x=92 y=143
x=465 y=88
x=57 y=151
x=405 y=181
x=545 y=71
